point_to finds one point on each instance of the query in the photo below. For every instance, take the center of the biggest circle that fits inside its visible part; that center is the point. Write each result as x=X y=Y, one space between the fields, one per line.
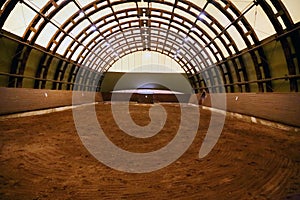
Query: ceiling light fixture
x=115 y=54
x=81 y=14
x=186 y=39
x=93 y=28
x=147 y=53
x=201 y=16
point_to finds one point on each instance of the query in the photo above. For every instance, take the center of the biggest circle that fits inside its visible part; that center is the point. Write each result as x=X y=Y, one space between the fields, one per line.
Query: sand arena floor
x=42 y=157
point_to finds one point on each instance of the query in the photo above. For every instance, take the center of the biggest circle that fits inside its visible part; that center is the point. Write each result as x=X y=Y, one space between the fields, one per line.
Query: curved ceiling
x=205 y=37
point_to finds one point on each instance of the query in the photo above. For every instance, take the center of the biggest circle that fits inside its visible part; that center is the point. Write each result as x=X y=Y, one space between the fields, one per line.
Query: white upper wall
x=146 y=61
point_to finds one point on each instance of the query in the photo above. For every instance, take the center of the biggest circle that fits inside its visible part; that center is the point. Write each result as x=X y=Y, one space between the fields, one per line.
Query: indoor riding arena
x=150 y=99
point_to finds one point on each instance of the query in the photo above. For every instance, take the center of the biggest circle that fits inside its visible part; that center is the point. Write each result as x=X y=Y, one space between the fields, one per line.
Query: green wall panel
x=278 y=66
x=7 y=52
x=31 y=68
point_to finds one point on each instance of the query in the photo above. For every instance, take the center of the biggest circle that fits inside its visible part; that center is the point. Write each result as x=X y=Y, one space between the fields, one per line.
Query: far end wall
x=137 y=80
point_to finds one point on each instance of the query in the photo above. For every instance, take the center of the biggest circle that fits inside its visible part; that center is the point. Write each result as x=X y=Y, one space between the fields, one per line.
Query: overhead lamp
x=176 y=54
x=116 y=55
x=201 y=16
x=93 y=28
x=193 y=28
x=81 y=14
x=148 y=54
x=143 y=4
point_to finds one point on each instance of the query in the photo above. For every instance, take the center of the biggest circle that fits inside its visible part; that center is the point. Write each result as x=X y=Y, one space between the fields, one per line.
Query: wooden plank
x=15 y=100
x=277 y=107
